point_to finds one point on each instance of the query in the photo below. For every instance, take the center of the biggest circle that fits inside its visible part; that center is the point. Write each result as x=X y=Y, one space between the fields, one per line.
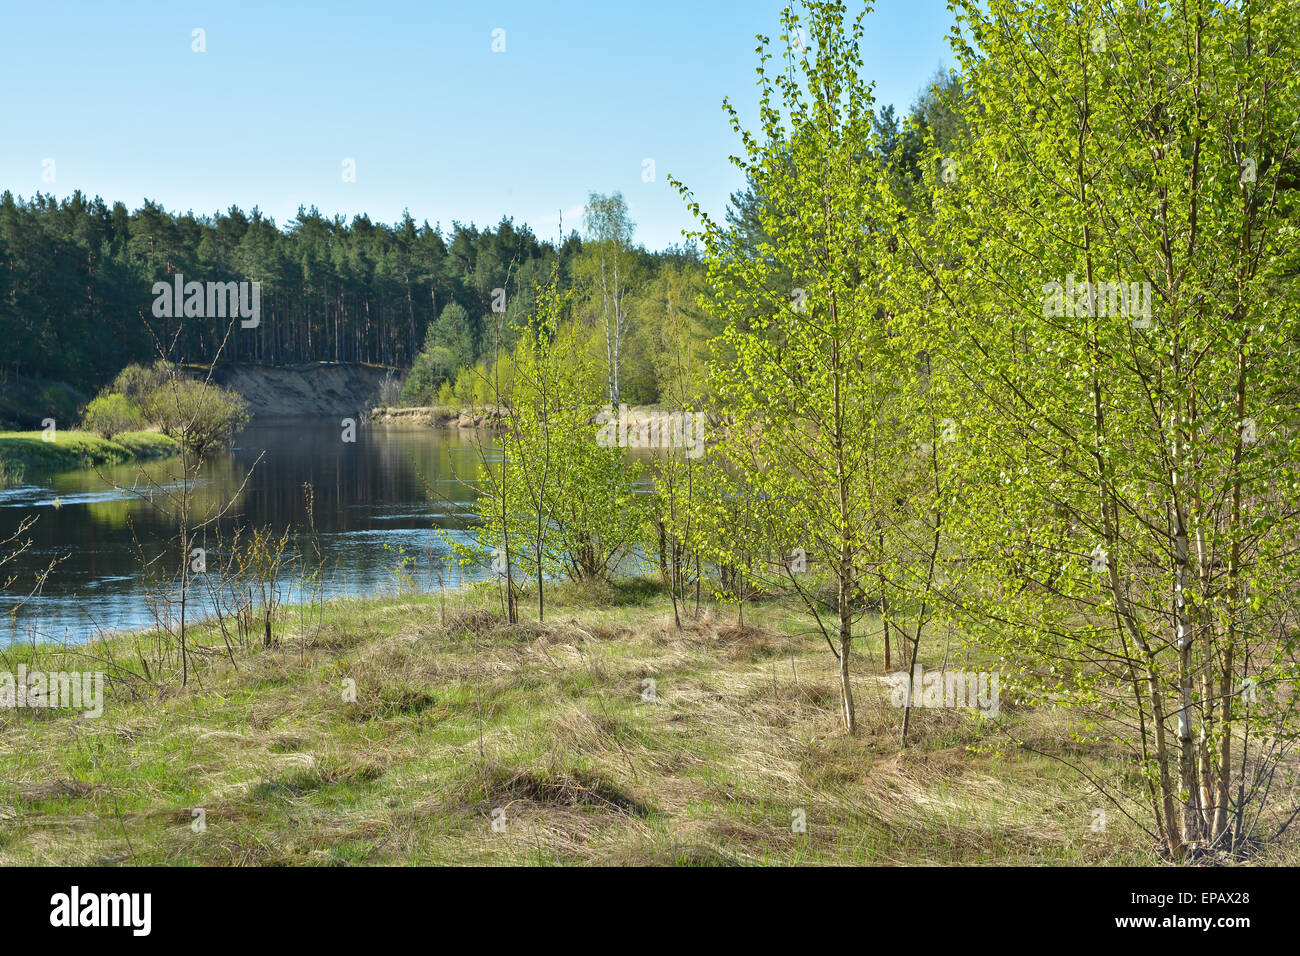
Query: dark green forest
x=76 y=278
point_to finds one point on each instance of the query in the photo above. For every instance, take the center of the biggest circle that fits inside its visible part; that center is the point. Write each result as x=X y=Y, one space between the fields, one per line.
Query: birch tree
x=813 y=386
x=556 y=502
x=610 y=267
x=1112 y=281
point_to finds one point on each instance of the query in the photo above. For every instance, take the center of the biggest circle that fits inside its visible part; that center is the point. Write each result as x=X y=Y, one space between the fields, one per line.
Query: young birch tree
x=558 y=502
x=609 y=265
x=807 y=390
x=1106 y=266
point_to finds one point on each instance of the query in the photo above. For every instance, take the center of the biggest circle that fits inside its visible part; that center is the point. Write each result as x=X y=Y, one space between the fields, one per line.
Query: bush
x=478 y=385
x=110 y=414
x=390 y=390
x=136 y=382
x=199 y=415
x=431 y=369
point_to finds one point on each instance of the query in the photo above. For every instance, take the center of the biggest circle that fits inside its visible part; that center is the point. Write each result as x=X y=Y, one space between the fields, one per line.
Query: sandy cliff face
x=305 y=391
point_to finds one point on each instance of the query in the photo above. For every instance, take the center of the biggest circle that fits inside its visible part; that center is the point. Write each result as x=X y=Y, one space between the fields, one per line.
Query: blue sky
x=412 y=92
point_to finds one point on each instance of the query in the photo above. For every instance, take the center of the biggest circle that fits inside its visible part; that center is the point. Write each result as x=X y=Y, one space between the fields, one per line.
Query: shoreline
x=24 y=454
x=437 y=416
x=449 y=416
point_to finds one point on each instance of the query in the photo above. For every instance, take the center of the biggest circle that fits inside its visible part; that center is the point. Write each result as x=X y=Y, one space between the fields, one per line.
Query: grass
x=11 y=473
x=460 y=719
x=27 y=452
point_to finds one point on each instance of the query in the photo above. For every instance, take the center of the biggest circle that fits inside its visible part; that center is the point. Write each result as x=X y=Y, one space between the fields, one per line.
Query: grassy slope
x=27 y=451
x=547 y=722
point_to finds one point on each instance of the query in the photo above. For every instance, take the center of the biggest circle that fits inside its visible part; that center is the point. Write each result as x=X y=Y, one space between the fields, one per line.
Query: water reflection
x=369 y=505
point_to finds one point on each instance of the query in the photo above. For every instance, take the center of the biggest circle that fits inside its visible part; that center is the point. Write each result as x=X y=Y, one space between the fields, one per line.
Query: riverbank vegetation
x=147 y=412
x=76 y=278
x=985 y=394
x=28 y=453
x=192 y=411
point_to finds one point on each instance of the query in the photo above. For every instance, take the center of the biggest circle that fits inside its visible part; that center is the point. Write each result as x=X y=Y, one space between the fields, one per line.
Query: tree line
x=77 y=283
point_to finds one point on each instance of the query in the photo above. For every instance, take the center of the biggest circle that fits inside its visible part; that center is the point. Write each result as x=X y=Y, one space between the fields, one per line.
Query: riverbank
x=438 y=416
x=453 y=416
x=27 y=453
x=310 y=390
x=398 y=730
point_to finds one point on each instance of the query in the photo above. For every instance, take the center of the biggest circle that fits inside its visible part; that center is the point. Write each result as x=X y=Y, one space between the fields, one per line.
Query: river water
x=377 y=504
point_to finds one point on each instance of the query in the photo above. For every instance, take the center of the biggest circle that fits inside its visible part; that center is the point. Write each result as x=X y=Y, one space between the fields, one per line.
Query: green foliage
x=450 y=344
x=1126 y=470
x=111 y=413
x=556 y=503
x=608 y=270
x=434 y=368
x=11 y=473
x=677 y=532
x=27 y=402
x=26 y=453
x=454 y=335
x=814 y=375
x=479 y=385
x=198 y=414
x=78 y=274
x=137 y=382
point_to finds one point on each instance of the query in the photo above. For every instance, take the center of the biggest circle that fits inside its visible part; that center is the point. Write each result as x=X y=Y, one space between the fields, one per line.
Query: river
x=377 y=504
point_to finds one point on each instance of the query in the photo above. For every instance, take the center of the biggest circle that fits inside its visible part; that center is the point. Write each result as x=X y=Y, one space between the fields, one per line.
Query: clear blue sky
x=411 y=90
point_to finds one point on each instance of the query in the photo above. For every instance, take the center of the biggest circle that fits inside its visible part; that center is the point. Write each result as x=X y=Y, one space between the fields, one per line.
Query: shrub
x=136 y=382
x=199 y=415
x=431 y=369
x=110 y=414
x=390 y=389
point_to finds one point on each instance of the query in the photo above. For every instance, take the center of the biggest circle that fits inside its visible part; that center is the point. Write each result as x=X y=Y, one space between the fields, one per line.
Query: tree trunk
x=884 y=604
x=846 y=642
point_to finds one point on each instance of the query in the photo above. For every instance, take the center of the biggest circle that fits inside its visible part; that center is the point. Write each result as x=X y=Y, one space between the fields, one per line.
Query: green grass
x=28 y=452
x=458 y=715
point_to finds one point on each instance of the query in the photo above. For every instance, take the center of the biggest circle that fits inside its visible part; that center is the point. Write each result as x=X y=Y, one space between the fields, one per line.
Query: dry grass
x=603 y=736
